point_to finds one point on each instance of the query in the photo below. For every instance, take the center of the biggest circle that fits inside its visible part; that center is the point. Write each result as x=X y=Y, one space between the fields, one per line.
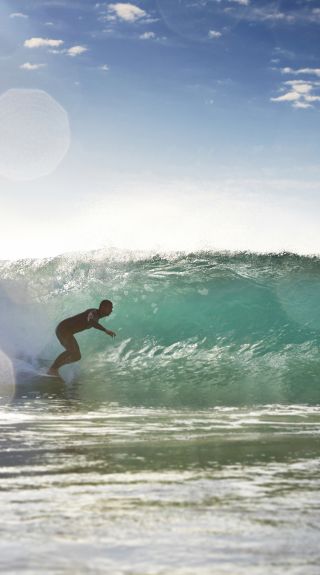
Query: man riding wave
x=68 y=327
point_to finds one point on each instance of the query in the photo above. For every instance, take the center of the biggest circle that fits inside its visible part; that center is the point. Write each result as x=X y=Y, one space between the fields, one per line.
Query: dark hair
x=106 y=302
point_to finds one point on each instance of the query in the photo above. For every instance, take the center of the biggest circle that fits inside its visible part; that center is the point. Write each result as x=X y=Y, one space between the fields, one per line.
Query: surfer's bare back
x=68 y=327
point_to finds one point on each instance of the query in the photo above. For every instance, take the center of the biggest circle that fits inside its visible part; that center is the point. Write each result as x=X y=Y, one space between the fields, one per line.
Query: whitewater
x=190 y=443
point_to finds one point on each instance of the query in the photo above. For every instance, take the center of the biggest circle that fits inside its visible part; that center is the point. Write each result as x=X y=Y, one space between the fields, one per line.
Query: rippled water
x=88 y=488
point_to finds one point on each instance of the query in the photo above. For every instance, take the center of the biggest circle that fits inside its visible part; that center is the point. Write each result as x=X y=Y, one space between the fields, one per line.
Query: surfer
x=68 y=327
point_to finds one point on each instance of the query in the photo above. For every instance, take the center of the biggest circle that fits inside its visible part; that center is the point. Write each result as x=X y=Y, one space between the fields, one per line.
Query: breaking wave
x=201 y=329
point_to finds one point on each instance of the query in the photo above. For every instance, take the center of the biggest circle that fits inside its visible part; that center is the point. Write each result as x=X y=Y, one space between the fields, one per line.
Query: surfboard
x=43 y=373
x=35 y=370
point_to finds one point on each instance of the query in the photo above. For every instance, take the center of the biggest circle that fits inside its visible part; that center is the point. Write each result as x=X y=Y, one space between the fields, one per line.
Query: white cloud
x=303 y=92
x=54 y=44
x=300 y=94
x=148 y=36
x=242 y=2
x=127 y=12
x=41 y=42
x=299 y=86
x=29 y=66
x=76 y=51
x=301 y=104
x=312 y=98
x=288 y=97
x=302 y=71
x=105 y=67
x=213 y=34
x=18 y=15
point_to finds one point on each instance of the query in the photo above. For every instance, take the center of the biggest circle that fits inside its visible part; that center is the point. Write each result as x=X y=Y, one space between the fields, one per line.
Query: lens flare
x=34 y=134
x=299 y=297
x=7 y=379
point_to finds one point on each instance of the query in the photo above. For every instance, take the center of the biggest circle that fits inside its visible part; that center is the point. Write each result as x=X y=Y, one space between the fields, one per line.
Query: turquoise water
x=190 y=444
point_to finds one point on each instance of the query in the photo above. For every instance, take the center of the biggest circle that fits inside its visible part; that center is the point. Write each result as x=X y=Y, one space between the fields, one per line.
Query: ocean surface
x=190 y=443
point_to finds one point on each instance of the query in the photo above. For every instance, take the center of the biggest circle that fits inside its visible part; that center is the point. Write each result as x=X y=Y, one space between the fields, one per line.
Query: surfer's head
x=105 y=307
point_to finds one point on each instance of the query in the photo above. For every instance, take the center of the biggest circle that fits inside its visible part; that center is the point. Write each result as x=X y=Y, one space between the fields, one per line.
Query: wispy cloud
x=125 y=11
x=30 y=67
x=104 y=68
x=43 y=42
x=76 y=51
x=270 y=12
x=18 y=15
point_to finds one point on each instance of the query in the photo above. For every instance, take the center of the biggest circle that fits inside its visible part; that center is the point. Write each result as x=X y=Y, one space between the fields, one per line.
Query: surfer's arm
x=109 y=332
x=93 y=322
x=97 y=325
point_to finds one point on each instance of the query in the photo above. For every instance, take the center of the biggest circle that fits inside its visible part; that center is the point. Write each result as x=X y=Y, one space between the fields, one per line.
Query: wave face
x=197 y=330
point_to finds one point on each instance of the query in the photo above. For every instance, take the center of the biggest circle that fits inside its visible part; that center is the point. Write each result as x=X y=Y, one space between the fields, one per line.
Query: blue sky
x=203 y=114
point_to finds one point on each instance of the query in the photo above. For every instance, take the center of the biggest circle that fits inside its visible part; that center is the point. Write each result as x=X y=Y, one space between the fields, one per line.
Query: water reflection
x=116 y=489
x=44 y=388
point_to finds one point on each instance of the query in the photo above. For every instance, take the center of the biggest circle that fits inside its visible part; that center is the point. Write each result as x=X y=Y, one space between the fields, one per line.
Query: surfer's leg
x=71 y=354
